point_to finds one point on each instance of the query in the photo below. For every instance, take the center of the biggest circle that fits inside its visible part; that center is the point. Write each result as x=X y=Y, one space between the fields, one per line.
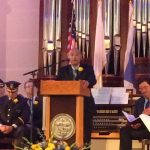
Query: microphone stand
x=42 y=68
x=33 y=73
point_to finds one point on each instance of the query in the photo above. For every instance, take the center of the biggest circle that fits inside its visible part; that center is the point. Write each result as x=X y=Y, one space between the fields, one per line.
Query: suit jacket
x=66 y=73
x=14 y=111
x=139 y=106
x=37 y=111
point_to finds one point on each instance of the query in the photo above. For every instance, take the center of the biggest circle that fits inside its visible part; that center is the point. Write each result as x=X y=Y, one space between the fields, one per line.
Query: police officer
x=2 y=90
x=14 y=113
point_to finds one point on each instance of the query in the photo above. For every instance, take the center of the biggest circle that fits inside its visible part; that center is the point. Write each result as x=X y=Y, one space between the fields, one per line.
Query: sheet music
x=110 y=95
x=129 y=117
x=102 y=95
x=146 y=120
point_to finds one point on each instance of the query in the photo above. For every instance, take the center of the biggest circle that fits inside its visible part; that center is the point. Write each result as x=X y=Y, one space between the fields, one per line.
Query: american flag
x=72 y=32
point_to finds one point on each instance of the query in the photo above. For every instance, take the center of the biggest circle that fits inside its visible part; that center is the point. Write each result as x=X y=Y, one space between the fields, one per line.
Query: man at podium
x=79 y=71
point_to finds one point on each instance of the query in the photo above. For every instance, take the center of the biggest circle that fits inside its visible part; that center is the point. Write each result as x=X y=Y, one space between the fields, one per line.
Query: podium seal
x=63 y=126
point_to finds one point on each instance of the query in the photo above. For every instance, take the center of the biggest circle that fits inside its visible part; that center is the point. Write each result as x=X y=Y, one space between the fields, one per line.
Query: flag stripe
x=72 y=31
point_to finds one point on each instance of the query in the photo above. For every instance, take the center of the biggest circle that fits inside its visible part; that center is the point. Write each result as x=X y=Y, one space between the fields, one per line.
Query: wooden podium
x=65 y=97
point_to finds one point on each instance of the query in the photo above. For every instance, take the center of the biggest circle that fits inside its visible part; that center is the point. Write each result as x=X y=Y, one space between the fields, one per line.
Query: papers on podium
x=144 y=119
x=110 y=95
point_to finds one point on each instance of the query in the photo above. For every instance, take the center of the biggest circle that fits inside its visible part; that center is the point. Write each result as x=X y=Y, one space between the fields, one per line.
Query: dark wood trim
x=110 y=80
x=142 y=60
x=93 y=17
x=40 y=58
x=124 y=31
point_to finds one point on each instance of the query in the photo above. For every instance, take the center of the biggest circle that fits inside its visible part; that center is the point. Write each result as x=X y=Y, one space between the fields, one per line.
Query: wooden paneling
x=93 y=17
x=40 y=62
x=51 y=87
x=124 y=31
x=112 y=81
x=66 y=15
x=65 y=97
x=111 y=135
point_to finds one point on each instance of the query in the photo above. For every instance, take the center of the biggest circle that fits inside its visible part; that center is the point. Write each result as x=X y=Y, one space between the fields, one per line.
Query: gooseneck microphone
x=51 y=65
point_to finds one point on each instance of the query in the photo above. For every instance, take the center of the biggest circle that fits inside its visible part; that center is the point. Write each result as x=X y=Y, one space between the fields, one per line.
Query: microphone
x=51 y=65
x=30 y=72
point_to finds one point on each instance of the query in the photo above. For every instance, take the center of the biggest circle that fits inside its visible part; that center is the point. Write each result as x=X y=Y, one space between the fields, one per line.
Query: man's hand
x=136 y=126
x=2 y=128
x=146 y=111
x=85 y=83
x=6 y=129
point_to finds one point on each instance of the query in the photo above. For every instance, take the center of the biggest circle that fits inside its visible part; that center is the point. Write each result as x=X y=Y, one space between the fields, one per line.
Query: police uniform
x=2 y=84
x=2 y=91
x=14 y=112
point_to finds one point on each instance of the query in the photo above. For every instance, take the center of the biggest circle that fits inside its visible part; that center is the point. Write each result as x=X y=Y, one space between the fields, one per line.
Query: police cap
x=2 y=84
x=12 y=86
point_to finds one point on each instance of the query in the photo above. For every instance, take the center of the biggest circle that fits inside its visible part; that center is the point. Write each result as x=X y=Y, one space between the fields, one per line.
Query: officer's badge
x=11 y=86
x=16 y=100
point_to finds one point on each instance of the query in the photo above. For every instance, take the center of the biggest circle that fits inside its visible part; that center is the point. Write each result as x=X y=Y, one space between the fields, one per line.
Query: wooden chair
x=145 y=142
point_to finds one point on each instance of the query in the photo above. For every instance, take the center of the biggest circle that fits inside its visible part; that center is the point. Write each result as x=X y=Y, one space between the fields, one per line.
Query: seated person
x=2 y=90
x=14 y=113
x=31 y=91
x=137 y=131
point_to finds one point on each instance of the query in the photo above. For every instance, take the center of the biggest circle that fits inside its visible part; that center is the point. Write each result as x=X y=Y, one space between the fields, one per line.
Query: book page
x=110 y=95
x=130 y=118
x=120 y=99
x=119 y=96
x=102 y=95
x=146 y=121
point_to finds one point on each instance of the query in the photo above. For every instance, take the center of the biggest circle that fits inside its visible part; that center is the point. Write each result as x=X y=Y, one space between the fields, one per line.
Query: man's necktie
x=29 y=102
x=147 y=104
x=75 y=72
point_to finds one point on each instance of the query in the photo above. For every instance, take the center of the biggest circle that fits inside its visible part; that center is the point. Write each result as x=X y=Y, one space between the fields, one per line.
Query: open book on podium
x=143 y=119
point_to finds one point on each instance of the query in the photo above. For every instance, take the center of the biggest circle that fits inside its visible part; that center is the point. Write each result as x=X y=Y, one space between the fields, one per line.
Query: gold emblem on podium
x=63 y=126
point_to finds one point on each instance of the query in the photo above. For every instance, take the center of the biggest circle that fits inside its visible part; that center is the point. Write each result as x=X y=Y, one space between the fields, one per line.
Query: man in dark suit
x=14 y=113
x=137 y=131
x=37 y=107
x=78 y=71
